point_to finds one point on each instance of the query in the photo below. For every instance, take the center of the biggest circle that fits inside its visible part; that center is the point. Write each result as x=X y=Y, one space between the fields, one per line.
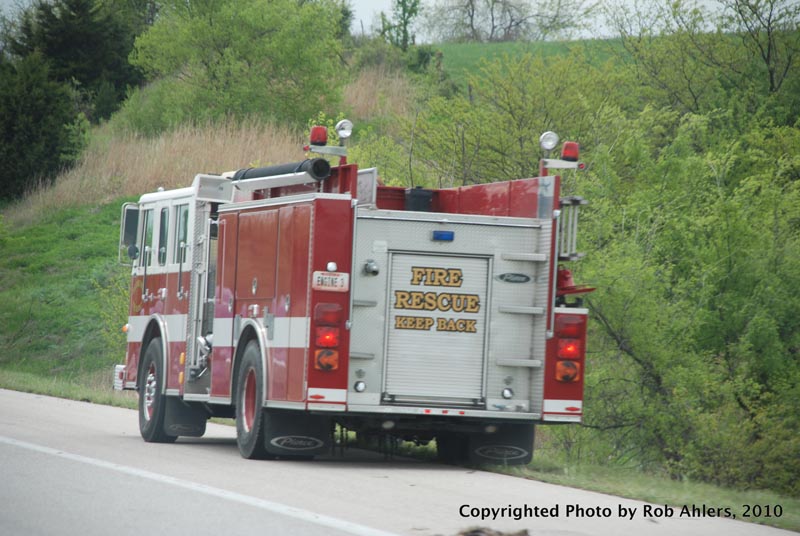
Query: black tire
x=250 y=414
x=152 y=403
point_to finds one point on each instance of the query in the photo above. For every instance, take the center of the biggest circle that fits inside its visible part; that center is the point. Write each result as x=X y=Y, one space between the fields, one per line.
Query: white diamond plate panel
x=515 y=281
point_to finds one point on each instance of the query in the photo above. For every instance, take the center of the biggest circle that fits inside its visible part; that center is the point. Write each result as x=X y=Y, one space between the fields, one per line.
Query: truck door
x=437 y=329
x=204 y=240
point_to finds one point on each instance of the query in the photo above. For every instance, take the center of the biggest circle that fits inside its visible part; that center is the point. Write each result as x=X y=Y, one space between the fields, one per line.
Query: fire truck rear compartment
x=448 y=323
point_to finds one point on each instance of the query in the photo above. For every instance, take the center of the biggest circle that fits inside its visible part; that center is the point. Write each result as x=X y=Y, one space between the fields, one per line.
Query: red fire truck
x=298 y=297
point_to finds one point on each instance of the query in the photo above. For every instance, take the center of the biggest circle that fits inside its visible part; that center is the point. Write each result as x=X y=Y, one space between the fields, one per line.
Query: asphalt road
x=72 y=468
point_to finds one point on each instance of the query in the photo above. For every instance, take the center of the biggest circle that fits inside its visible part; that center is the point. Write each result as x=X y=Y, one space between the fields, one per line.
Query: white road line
x=270 y=506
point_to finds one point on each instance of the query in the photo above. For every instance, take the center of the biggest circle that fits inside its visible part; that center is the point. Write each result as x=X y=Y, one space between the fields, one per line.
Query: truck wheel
x=250 y=414
x=152 y=401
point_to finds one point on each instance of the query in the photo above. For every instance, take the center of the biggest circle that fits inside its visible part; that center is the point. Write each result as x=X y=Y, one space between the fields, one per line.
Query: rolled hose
x=318 y=168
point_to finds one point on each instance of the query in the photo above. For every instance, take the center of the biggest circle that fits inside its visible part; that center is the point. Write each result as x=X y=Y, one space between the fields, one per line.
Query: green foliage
x=397 y=31
x=491 y=133
x=161 y=105
x=375 y=52
x=112 y=288
x=85 y=42
x=752 y=53
x=39 y=130
x=382 y=152
x=697 y=312
x=461 y=59
x=275 y=59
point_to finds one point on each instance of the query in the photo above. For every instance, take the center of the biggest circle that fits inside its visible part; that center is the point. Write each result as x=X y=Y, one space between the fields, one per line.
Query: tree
x=281 y=62
x=492 y=133
x=697 y=60
x=398 y=30
x=661 y=43
x=505 y=20
x=38 y=125
x=86 y=44
x=769 y=28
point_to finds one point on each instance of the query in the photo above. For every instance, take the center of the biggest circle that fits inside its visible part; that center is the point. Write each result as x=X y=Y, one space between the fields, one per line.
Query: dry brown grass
x=378 y=92
x=116 y=164
x=126 y=164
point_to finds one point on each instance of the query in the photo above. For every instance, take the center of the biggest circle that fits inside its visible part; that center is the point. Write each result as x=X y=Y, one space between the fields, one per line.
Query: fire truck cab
x=298 y=297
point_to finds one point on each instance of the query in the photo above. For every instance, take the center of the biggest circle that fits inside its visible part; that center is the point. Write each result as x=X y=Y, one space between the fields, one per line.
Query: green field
x=459 y=60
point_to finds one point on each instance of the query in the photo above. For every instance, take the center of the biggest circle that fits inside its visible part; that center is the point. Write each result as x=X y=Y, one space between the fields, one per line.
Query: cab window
x=181 y=226
x=163 y=233
x=145 y=248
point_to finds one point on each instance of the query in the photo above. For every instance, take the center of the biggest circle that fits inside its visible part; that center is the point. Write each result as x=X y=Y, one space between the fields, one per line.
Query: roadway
x=73 y=468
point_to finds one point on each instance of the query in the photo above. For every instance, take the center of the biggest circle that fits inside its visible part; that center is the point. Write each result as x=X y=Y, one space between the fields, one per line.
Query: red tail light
x=569 y=326
x=569 y=348
x=328 y=314
x=327 y=337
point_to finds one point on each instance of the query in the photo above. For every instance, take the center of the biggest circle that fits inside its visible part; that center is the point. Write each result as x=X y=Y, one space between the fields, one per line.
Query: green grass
x=95 y=388
x=58 y=283
x=635 y=484
x=461 y=59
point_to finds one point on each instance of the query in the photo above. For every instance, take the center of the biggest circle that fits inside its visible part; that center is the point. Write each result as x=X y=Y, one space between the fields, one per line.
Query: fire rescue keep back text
x=452 y=302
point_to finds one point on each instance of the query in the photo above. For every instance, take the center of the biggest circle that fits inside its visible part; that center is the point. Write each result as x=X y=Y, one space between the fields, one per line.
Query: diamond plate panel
x=385 y=235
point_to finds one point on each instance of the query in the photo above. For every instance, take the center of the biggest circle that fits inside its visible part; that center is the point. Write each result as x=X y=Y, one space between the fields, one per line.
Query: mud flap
x=511 y=444
x=294 y=434
x=181 y=419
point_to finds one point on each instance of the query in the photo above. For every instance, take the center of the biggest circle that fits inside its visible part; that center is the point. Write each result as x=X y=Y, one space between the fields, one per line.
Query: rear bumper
x=443 y=412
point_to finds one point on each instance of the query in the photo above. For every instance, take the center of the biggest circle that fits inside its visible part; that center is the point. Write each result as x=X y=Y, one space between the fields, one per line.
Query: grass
x=52 y=279
x=122 y=164
x=95 y=388
x=377 y=92
x=461 y=59
x=632 y=483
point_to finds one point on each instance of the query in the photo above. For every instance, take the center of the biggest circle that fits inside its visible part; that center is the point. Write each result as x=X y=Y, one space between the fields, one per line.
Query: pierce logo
x=513 y=278
x=297 y=442
x=183 y=429
x=501 y=452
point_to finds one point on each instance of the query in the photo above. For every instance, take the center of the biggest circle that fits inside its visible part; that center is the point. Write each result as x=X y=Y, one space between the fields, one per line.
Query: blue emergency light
x=443 y=236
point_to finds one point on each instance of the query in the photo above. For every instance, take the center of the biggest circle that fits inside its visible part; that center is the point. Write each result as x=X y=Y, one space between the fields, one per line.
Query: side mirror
x=133 y=252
